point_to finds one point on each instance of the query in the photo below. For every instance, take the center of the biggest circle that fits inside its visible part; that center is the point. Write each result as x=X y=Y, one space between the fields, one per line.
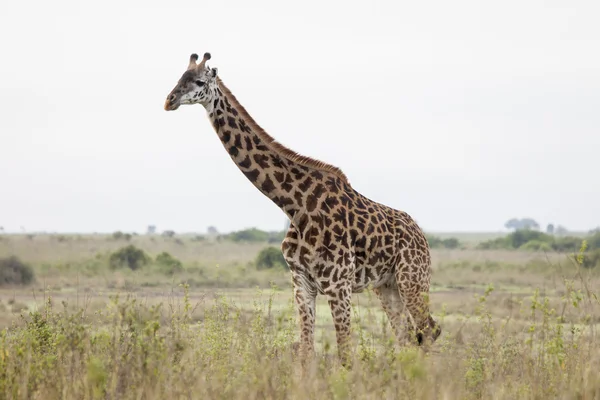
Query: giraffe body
x=339 y=241
x=359 y=243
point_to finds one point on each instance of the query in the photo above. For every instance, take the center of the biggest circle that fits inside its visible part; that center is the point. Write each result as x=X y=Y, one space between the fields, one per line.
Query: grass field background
x=515 y=324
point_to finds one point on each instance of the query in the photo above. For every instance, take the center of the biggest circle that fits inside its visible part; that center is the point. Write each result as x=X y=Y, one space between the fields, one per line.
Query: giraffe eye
x=199 y=83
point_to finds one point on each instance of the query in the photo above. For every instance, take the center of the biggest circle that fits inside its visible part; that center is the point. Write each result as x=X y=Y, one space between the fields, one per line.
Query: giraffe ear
x=213 y=72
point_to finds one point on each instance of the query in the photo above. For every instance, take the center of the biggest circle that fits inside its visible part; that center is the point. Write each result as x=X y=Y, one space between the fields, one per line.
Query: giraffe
x=339 y=242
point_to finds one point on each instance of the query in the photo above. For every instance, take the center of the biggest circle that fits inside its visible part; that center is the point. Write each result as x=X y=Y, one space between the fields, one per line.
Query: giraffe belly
x=374 y=276
x=375 y=264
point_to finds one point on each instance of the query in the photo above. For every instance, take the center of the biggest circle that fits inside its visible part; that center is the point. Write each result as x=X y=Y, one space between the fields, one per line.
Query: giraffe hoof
x=420 y=338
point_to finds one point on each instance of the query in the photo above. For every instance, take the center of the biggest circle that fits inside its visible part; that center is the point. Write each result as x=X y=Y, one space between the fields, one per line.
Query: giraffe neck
x=282 y=175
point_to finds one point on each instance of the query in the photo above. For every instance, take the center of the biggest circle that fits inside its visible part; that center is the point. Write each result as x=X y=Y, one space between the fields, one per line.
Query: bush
x=451 y=243
x=567 y=244
x=249 y=235
x=270 y=257
x=519 y=238
x=118 y=235
x=536 y=245
x=437 y=243
x=516 y=240
x=495 y=244
x=130 y=257
x=591 y=259
x=168 y=263
x=15 y=272
x=255 y=235
x=434 y=241
x=594 y=241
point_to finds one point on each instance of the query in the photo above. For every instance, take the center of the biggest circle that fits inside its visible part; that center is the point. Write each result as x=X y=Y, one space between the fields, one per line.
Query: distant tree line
x=438 y=243
x=257 y=235
x=519 y=224
x=539 y=241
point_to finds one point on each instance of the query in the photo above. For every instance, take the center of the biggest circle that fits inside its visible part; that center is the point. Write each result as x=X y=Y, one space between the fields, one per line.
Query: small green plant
x=14 y=272
x=130 y=257
x=270 y=257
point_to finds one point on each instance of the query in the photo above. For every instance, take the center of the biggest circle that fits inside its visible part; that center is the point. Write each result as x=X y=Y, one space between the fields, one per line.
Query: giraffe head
x=197 y=85
x=430 y=333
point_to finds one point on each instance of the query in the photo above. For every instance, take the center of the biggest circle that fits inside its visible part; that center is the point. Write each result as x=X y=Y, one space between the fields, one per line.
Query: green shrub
x=519 y=238
x=451 y=243
x=168 y=263
x=15 y=272
x=438 y=243
x=591 y=259
x=130 y=257
x=594 y=241
x=496 y=244
x=270 y=257
x=249 y=235
x=434 y=241
x=118 y=235
x=567 y=244
x=536 y=245
x=255 y=235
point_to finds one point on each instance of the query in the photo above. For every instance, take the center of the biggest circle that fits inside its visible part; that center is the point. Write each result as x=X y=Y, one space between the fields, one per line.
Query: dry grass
x=515 y=325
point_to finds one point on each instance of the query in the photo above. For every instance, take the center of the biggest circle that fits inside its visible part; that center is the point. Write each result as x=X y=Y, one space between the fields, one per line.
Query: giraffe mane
x=277 y=146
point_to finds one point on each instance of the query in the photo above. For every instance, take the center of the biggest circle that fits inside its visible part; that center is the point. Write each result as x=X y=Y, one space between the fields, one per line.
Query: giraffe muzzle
x=172 y=103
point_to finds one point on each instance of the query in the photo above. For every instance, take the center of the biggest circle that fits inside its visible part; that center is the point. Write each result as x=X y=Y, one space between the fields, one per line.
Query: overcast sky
x=462 y=113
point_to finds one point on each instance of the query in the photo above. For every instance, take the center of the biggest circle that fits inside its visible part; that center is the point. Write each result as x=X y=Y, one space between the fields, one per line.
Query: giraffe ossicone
x=339 y=242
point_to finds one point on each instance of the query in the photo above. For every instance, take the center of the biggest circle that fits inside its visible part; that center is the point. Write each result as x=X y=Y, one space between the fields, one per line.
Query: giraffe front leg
x=305 y=303
x=393 y=305
x=424 y=330
x=340 y=304
x=305 y=293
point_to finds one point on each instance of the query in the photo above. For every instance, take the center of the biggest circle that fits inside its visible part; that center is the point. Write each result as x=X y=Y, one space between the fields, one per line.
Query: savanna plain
x=174 y=316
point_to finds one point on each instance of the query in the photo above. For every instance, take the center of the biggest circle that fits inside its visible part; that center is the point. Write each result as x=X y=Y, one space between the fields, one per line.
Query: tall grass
x=514 y=327
x=216 y=349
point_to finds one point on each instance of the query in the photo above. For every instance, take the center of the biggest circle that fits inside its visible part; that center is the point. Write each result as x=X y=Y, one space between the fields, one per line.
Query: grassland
x=516 y=325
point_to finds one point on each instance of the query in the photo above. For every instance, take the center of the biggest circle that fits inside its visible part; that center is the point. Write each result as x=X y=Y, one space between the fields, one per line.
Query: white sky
x=462 y=113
